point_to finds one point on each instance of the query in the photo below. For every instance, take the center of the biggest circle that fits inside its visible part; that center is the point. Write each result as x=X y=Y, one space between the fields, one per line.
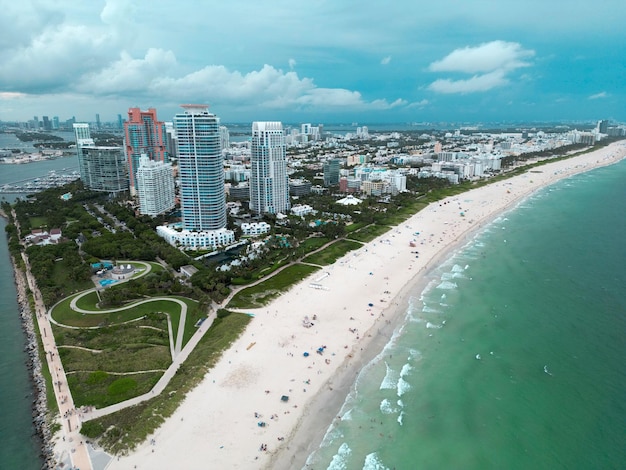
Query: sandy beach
x=236 y=418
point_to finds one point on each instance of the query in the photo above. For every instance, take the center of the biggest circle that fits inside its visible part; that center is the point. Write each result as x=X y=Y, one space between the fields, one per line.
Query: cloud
x=9 y=95
x=602 y=94
x=489 y=62
x=474 y=84
x=419 y=104
x=292 y=64
x=487 y=57
x=386 y=60
x=127 y=74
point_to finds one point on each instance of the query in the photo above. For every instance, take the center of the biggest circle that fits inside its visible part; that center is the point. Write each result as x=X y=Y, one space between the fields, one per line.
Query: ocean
x=513 y=357
x=19 y=446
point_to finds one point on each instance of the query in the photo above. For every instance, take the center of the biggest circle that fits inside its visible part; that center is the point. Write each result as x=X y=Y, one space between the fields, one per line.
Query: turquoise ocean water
x=515 y=356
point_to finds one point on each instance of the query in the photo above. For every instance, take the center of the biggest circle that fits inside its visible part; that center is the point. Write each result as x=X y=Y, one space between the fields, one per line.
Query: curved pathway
x=181 y=323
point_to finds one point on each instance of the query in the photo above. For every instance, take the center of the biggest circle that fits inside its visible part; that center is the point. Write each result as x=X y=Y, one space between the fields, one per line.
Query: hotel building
x=155 y=187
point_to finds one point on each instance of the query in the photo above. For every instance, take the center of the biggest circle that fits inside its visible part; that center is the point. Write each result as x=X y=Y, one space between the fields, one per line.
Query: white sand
x=216 y=426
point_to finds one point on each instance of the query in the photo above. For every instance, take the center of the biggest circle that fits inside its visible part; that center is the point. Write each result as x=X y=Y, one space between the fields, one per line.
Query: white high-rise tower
x=269 y=183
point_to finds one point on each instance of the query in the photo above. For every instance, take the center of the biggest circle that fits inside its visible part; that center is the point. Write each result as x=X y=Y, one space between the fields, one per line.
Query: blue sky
x=321 y=61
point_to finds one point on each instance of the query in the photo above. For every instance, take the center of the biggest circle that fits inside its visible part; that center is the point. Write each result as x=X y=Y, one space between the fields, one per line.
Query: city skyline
x=332 y=62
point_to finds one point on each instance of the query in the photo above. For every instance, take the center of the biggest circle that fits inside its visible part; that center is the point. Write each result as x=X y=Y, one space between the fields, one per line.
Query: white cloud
x=489 y=62
x=292 y=64
x=419 y=104
x=476 y=83
x=602 y=94
x=386 y=60
x=487 y=57
x=128 y=74
x=9 y=95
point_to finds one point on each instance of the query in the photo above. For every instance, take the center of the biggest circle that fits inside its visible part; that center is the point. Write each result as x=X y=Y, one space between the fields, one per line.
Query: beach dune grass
x=262 y=293
x=122 y=431
x=369 y=232
x=109 y=389
x=332 y=253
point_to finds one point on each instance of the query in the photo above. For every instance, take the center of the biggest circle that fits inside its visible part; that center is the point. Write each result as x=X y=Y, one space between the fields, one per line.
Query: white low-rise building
x=301 y=210
x=207 y=239
x=255 y=228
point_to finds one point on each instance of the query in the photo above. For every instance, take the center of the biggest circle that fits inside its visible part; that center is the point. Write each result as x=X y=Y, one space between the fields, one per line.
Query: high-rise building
x=82 y=134
x=144 y=134
x=603 y=126
x=331 y=172
x=101 y=168
x=120 y=122
x=201 y=169
x=55 y=122
x=98 y=124
x=47 y=125
x=269 y=183
x=224 y=137
x=155 y=187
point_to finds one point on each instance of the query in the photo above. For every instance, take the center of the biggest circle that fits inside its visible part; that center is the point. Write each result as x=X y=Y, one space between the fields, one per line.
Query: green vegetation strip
x=369 y=233
x=261 y=294
x=121 y=432
x=333 y=252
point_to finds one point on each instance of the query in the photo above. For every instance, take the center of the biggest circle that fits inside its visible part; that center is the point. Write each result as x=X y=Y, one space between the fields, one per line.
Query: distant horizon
x=354 y=124
x=347 y=61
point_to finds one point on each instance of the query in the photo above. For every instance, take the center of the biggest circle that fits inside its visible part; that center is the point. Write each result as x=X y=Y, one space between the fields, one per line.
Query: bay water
x=19 y=446
x=515 y=355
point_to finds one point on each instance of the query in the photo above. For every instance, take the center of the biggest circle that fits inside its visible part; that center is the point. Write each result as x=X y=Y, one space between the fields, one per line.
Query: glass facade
x=201 y=169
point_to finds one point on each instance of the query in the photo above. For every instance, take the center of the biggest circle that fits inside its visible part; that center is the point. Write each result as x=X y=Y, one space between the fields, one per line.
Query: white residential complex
x=202 y=193
x=269 y=184
x=155 y=186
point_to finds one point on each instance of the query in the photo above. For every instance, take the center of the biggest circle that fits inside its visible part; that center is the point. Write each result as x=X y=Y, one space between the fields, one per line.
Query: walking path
x=74 y=446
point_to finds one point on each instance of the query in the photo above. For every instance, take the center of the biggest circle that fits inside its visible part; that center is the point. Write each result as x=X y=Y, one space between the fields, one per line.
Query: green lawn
x=124 y=430
x=332 y=253
x=261 y=294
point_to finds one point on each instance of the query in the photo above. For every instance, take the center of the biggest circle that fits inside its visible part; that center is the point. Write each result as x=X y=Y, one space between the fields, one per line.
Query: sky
x=319 y=61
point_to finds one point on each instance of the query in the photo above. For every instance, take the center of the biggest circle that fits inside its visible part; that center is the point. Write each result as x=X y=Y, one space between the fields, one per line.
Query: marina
x=52 y=179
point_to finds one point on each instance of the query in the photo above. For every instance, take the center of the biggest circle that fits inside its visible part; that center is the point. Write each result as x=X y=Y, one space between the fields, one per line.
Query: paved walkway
x=74 y=447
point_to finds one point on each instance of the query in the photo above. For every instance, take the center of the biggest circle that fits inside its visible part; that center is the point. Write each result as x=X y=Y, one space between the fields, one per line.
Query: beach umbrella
x=306 y=354
x=370 y=304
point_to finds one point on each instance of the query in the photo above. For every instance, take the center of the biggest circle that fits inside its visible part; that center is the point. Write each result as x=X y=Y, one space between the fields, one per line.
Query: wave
x=386 y=407
x=391 y=379
x=340 y=459
x=447 y=285
x=403 y=386
x=373 y=462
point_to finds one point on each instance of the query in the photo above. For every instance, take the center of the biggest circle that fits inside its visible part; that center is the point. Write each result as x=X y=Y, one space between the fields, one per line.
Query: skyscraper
x=144 y=134
x=101 y=168
x=269 y=183
x=201 y=169
x=155 y=186
x=331 y=172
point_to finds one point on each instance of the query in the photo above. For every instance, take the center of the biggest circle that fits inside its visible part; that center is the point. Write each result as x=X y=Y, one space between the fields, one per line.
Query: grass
x=102 y=389
x=369 y=232
x=122 y=431
x=313 y=243
x=333 y=252
x=261 y=294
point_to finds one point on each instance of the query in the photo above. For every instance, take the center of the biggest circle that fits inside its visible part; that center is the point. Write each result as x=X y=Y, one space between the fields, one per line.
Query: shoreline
x=40 y=409
x=219 y=421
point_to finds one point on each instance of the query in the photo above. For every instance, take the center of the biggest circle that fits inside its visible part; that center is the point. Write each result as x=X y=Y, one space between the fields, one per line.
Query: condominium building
x=269 y=183
x=201 y=169
x=103 y=168
x=155 y=187
x=144 y=134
